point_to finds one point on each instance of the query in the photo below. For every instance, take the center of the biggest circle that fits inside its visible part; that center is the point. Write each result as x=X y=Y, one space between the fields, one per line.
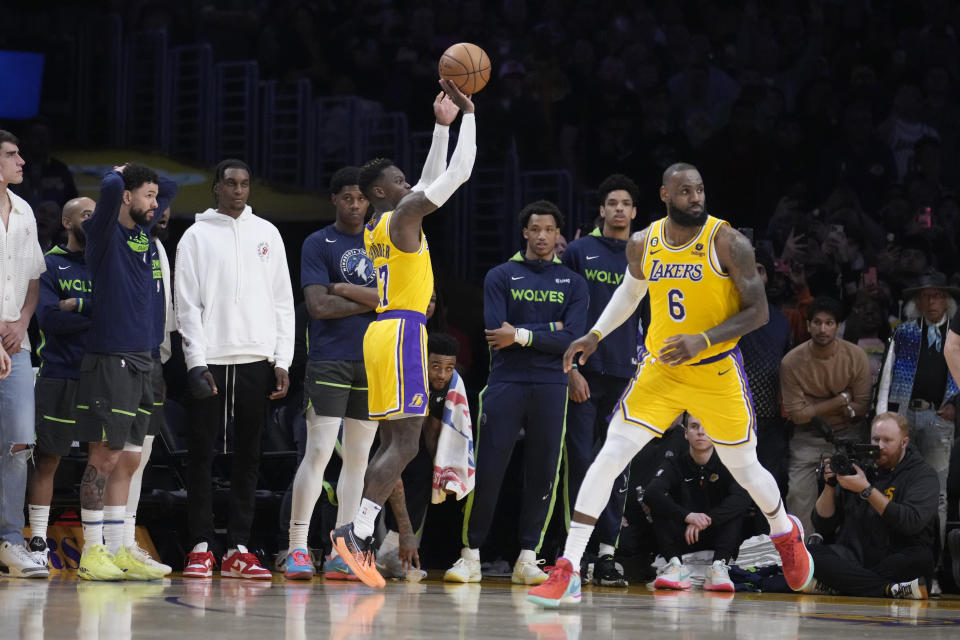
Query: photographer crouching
x=879 y=533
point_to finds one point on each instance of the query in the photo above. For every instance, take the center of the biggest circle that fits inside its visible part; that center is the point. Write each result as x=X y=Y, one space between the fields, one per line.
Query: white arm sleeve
x=623 y=303
x=436 y=160
x=461 y=164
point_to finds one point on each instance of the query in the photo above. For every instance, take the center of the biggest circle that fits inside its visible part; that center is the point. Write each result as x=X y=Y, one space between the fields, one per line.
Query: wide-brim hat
x=931 y=280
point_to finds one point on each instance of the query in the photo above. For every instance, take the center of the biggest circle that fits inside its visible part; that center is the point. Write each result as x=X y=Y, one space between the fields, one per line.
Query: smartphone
x=924 y=218
x=869 y=278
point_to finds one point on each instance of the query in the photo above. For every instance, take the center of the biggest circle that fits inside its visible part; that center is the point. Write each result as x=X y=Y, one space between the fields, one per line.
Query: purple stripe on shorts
x=745 y=387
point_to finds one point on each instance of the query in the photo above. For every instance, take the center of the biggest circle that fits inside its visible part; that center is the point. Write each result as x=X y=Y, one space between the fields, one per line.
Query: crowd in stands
x=827 y=132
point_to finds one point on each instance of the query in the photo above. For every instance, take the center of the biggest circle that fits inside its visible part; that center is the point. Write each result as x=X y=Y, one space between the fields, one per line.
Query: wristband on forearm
x=523 y=337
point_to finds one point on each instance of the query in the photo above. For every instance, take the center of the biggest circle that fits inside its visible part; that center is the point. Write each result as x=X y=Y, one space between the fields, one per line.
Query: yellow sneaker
x=96 y=563
x=134 y=568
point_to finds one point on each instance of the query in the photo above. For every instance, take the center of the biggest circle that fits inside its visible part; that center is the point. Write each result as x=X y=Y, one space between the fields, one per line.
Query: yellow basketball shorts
x=715 y=391
x=395 y=357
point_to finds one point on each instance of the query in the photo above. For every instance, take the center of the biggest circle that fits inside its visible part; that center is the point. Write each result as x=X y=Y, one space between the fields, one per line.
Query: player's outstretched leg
x=786 y=532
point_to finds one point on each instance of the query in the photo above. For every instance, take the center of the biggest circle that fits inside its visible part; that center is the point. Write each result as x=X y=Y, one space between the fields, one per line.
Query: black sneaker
x=607 y=573
x=38 y=549
x=360 y=555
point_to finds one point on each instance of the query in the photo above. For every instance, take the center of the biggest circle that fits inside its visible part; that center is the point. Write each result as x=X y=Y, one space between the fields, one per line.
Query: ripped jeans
x=16 y=427
x=933 y=436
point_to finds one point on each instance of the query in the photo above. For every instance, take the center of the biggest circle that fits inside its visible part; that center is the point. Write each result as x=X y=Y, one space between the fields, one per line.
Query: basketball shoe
x=718 y=578
x=38 y=549
x=240 y=563
x=298 y=565
x=199 y=563
x=528 y=573
x=336 y=569
x=17 y=562
x=673 y=575
x=96 y=563
x=562 y=586
x=358 y=554
x=913 y=590
x=796 y=560
x=133 y=568
x=608 y=573
x=463 y=570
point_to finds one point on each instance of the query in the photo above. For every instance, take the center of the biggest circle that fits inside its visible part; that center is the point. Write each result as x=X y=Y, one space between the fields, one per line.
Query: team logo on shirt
x=357 y=268
x=676 y=271
x=139 y=243
x=263 y=251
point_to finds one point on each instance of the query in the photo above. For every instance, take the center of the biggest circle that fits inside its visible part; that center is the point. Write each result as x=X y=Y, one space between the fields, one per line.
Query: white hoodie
x=234 y=300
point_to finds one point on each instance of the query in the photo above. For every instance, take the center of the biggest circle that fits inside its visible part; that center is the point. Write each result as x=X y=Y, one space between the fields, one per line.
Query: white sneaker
x=673 y=575
x=529 y=573
x=38 y=549
x=912 y=590
x=464 y=570
x=718 y=578
x=17 y=562
x=141 y=554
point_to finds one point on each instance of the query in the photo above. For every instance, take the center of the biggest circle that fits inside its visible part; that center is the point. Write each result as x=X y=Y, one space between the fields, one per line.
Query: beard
x=141 y=216
x=79 y=236
x=686 y=218
x=160 y=233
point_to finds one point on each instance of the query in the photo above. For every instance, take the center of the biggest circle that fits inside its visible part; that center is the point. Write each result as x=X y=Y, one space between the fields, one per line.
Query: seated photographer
x=823 y=380
x=878 y=529
x=696 y=504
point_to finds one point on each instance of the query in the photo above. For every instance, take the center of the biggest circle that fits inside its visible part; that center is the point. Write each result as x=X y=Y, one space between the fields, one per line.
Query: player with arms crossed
x=704 y=294
x=395 y=344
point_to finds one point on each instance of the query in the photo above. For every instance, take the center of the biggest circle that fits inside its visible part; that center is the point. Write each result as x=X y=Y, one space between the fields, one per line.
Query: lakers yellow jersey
x=689 y=291
x=404 y=280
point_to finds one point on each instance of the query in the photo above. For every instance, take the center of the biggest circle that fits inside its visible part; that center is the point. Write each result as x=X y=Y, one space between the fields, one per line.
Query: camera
x=847 y=452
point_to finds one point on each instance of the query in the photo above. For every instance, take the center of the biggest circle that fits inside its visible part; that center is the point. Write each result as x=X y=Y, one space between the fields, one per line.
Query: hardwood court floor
x=178 y=609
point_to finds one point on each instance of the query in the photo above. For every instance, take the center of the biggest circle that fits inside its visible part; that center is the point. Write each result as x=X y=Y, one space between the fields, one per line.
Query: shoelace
x=301 y=559
x=557 y=574
x=251 y=560
x=201 y=557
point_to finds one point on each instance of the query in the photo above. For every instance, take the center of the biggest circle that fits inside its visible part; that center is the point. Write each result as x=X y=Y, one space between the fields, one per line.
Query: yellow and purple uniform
x=395 y=344
x=689 y=294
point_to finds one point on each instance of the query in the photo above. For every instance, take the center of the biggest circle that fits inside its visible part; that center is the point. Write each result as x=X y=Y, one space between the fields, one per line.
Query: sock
x=470 y=554
x=298 y=534
x=113 y=517
x=527 y=555
x=606 y=550
x=92 y=522
x=366 y=519
x=577 y=541
x=39 y=516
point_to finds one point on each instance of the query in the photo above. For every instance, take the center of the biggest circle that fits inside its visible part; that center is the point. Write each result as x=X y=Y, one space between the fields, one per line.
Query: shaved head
x=78 y=206
x=676 y=168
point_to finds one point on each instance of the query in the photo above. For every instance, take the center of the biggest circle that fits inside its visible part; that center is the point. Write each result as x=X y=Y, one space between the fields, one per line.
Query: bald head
x=674 y=169
x=78 y=206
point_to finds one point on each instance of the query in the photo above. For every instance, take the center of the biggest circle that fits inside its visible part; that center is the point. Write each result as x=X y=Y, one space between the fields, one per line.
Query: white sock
x=577 y=541
x=470 y=554
x=92 y=522
x=308 y=483
x=527 y=555
x=358 y=436
x=743 y=465
x=39 y=517
x=129 y=529
x=113 y=517
x=606 y=549
x=366 y=519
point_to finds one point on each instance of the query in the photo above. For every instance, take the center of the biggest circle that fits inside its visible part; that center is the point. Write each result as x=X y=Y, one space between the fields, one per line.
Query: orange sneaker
x=796 y=560
x=562 y=585
x=358 y=554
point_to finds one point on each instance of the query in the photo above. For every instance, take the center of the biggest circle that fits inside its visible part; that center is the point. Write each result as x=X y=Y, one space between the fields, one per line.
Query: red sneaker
x=199 y=563
x=562 y=586
x=243 y=564
x=796 y=560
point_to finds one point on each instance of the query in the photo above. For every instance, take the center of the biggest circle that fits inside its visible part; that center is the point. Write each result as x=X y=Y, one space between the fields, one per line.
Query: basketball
x=467 y=65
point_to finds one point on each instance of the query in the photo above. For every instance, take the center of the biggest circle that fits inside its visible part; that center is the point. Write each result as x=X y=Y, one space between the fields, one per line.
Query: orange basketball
x=467 y=65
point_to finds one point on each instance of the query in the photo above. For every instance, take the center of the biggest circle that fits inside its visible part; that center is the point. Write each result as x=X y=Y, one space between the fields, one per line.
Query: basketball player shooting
x=704 y=294
x=395 y=344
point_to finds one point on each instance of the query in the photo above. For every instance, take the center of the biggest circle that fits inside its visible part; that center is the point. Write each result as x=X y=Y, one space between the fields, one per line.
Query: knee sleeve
x=743 y=465
x=321 y=438
x=622 y=444
x=358 y=436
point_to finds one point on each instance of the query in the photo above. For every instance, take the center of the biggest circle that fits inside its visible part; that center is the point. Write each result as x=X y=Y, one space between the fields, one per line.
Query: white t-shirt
x=21 y=260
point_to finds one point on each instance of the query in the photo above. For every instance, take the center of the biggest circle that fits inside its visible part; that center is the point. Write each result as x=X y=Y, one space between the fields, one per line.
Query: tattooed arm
x=409 y=557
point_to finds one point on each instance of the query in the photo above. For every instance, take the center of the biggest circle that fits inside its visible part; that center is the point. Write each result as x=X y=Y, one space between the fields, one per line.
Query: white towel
x=454 y=466
x=169 y=320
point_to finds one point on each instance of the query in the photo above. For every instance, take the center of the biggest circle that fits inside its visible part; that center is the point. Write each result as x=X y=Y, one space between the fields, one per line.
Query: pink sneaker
x=242 y=564
x=199 y=563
